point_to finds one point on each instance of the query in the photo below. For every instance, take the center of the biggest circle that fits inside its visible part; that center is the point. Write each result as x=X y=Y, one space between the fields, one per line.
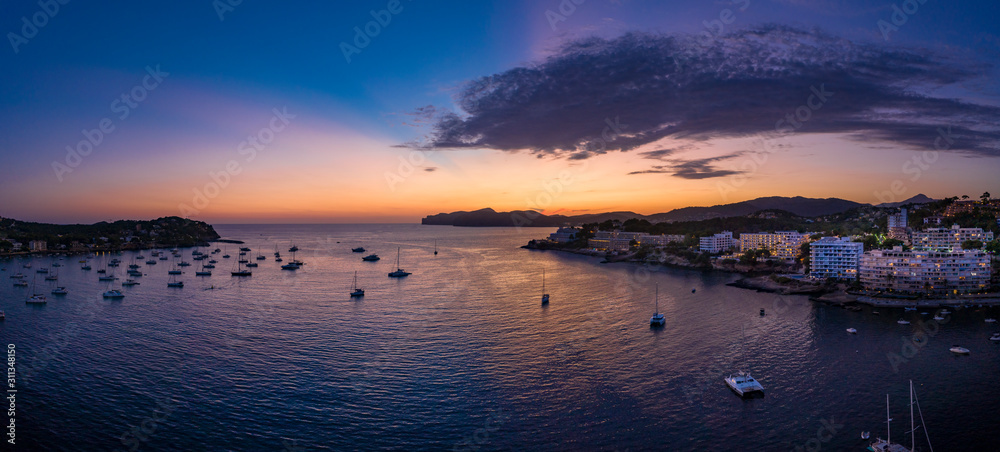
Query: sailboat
x=35 y=298
x=113 y=293
x=399 y=273
x=545 y=296
x=657 y=318
x=886 y=445
x=240 y=271
x=742 y=382
x=174 y=282
x=355 y=291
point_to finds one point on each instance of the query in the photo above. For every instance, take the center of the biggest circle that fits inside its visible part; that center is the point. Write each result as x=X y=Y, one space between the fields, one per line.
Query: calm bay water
x=462 y=354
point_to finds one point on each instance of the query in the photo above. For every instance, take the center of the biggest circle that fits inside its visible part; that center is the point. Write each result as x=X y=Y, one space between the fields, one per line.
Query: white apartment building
x=563 y=235
x=717 y=243
x=782 y=244
x=835 y=257
x=947 y=238
x=929 y=272
x=621 y=241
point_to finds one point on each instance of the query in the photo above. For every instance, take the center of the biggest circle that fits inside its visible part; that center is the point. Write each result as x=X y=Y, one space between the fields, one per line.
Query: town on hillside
x=22 y=237
x=938 y=249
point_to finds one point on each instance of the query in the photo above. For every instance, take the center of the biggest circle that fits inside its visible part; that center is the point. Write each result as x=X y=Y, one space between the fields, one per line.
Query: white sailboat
x=657 y=318
x=355 y=291
x=886 y=445
x=399 y=273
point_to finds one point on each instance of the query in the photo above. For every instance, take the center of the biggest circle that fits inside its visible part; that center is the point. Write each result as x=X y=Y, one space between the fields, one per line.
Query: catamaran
x=742 y=382
x=657 y=318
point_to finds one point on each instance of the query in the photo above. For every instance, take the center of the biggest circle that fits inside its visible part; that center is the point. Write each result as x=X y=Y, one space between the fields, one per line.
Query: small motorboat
x=852 y=331
x=203 y=273
x=959 y=350
x=114 y=293
x=762 y=311
x=991 y=320
x=909 y=308
x=938 y=317
x=59 y=291
x=175 y=284
x=903 y=322
x=358 y=249
x=875 y=313
x=371 y=258
x=130 y=282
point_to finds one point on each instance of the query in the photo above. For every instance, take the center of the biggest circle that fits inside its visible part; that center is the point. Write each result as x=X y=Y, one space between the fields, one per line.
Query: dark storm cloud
x=692 y=169
x=735 y=85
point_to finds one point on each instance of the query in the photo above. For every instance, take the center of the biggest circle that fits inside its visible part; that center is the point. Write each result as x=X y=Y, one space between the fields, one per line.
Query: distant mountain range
x=806 y=207
x=919 y=199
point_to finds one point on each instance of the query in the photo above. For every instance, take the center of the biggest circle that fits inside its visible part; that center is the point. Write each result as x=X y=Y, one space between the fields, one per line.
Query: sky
x=376 y=111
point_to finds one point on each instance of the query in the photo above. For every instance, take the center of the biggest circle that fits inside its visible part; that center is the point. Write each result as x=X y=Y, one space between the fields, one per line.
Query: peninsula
x=27 y=237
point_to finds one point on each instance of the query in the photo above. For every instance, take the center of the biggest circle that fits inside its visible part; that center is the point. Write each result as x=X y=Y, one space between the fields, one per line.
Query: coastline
x=836 y=295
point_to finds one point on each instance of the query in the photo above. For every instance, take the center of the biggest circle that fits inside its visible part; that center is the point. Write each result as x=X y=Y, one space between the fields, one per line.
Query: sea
x=462 y=355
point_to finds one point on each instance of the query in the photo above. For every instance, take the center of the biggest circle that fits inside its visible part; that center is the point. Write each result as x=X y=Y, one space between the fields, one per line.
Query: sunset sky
x=605 y=105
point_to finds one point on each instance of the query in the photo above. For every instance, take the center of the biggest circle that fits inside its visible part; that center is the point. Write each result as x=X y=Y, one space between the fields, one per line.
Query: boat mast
x=657 y=299
x=543 y=281
x=888 y=428
x=913 y=441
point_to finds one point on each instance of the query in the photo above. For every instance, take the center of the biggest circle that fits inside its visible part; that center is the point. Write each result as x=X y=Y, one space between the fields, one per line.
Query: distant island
x=26 y=237
x=800 y=206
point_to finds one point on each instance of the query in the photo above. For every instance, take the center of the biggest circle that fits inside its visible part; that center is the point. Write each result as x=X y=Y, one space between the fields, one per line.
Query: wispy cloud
x=672 y=86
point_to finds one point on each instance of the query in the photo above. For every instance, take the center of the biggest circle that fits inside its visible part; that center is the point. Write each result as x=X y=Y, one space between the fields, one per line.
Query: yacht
x=290 y=266
x=852 y=331
x=657 y=318
x=240 y=271
x=995 y=337
x=134 y=273
x=59 y=291
x=886 y=445
x=371 y=258
x=163 y=258
x=183 y=264
x=959 y=350
x=114 y=293
x=742 y=383
x=399 y=273
x=130 y=282
x=208 y=266
x=910 y=308
x=251 y=264
x=293 y=249
x=203 y=273
x=106 y=278
x=35 y=298
x=358 y=249
x=42 y=270
x=355 y=291
x=151 y=262
x=990 y=320
x=244 y=249
x=86 y=267
x=938 y=317
x=903 y=322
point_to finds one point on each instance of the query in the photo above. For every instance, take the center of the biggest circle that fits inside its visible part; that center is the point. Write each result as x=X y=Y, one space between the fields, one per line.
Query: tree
x=964 y=197
x=985 y=197
x=993 y=247
x=804 y=256
x=972 y=245
x=888 y=244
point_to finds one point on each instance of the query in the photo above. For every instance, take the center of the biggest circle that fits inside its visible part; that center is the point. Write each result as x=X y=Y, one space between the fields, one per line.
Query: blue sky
x=226 y=75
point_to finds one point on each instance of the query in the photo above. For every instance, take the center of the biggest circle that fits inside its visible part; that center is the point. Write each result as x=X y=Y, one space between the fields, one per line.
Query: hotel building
x=621 y=241
x=835 y=257
x=717 y=243
x=928 y=272
x=782 y=244
x=947 y=238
